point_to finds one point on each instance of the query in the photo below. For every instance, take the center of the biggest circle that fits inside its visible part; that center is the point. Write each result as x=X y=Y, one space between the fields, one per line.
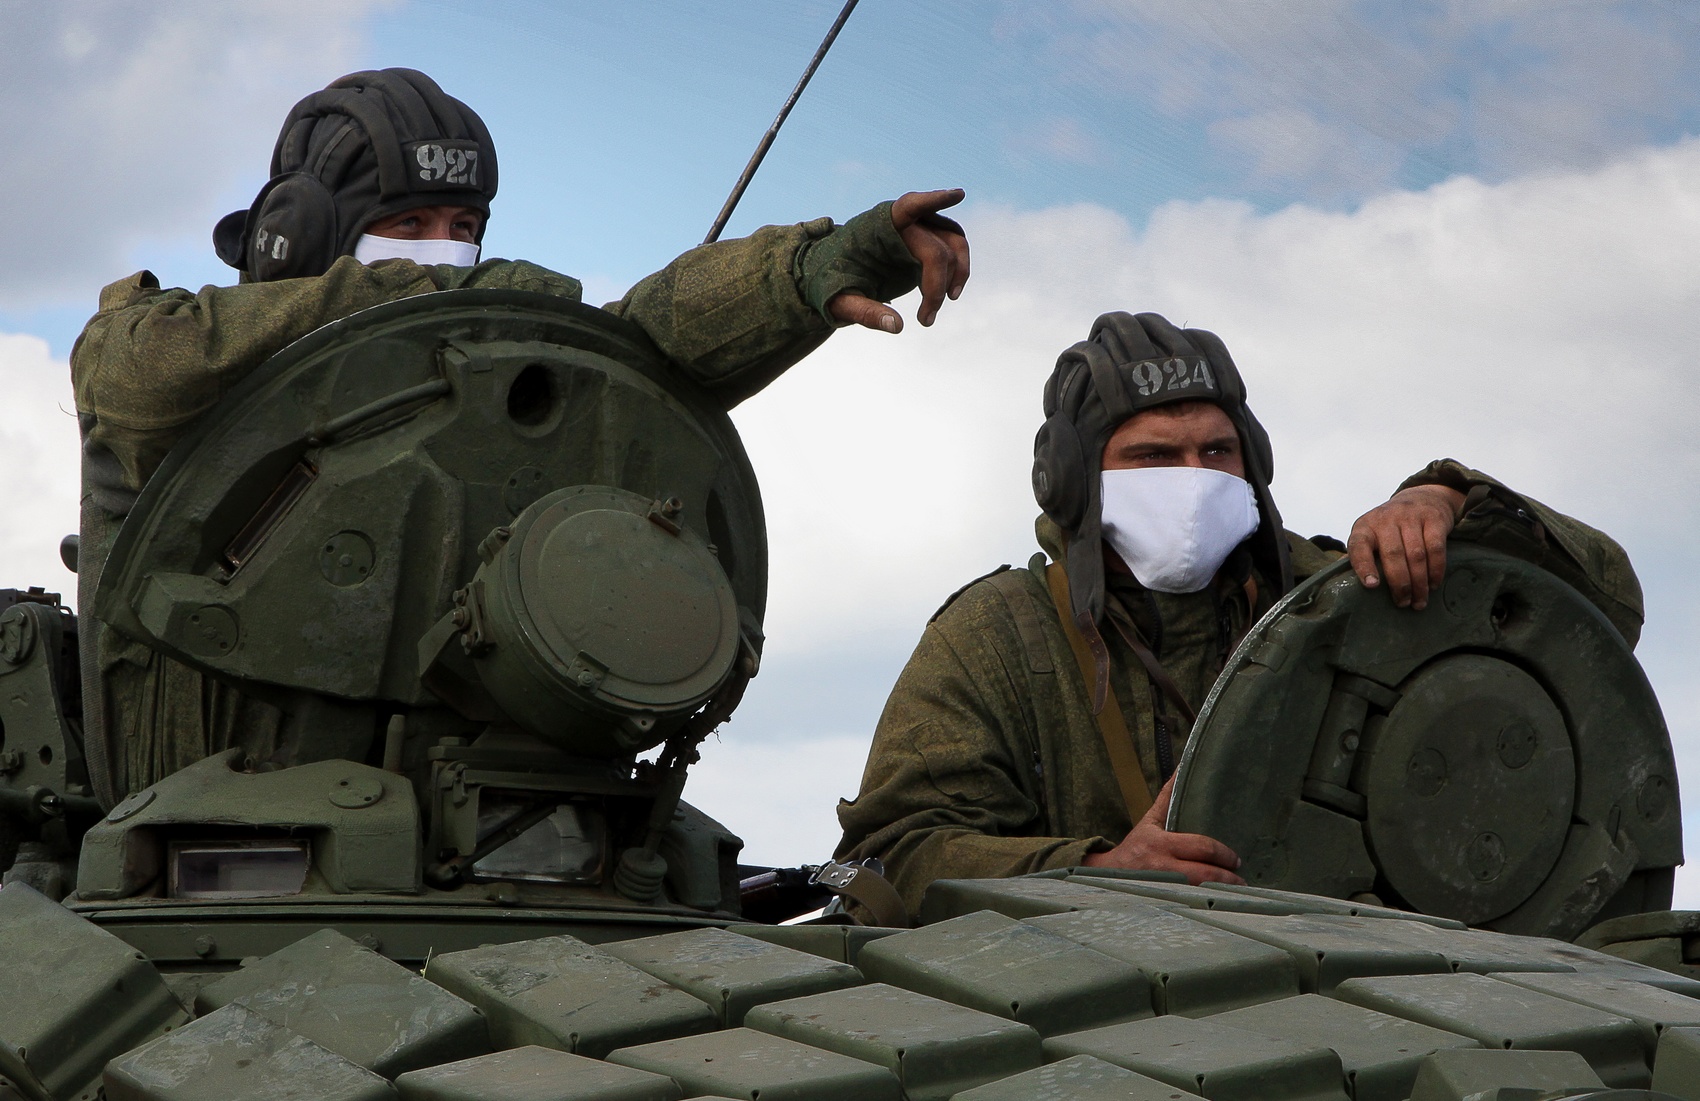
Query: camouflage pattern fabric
x=733 y=314
x=987 y=761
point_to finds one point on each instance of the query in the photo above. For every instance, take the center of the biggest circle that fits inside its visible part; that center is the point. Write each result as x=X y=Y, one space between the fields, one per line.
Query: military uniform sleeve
x=1587 y=559
x=946 y=792
x=153 y=360
x=1311 y=556
x=737 y=314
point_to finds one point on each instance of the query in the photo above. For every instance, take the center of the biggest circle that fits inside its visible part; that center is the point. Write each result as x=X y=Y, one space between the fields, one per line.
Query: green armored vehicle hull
x=492 y=569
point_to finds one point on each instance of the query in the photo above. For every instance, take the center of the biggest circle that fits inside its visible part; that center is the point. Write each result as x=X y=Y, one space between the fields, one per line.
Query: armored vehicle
x=499 y=569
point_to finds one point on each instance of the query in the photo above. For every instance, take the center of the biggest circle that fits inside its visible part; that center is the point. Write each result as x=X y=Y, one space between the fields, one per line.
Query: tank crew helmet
x=1130 y=363
x=370 y=145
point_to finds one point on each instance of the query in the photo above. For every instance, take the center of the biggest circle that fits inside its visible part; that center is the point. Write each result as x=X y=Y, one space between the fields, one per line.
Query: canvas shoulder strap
x=1112 y=725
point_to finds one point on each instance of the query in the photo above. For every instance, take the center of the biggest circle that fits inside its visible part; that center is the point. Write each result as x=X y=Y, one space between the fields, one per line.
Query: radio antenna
x=773 y=131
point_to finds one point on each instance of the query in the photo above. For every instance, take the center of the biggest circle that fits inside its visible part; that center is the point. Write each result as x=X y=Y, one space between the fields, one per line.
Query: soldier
x=1039 y=721
x=380 y=189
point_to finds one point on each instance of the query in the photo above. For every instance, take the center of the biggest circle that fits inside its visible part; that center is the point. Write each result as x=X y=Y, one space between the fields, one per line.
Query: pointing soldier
x=381 y=187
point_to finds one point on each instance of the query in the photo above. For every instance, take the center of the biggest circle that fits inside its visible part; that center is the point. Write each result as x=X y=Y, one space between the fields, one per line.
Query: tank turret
x=498 y=568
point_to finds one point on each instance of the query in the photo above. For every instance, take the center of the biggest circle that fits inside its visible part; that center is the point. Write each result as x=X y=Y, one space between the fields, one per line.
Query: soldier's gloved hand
x=1408 y=536
x=884 y=253
x=1149 y=847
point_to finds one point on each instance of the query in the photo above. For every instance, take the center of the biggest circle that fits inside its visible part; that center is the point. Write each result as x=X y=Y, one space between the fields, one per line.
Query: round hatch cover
x=608 y=603
x=1484 y=759
x=1469 y=784
x=649 y=608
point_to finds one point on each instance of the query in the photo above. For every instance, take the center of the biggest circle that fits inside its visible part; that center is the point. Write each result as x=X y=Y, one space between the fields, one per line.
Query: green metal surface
x=1380 y=1053
x=1025 y=897
x=1462 y=1075
x=367 y=845
x=1195 y=970
x=185 y=934
x=238 y=1053
x=1235 y=898
x=1498 y=758
x=1653 y=1009
x=743 y=1063
x=1011 y=969
x=350 y=1000
x=839 y=943
x=1500 y=1014
x=596 y=603
x=71 y=997
x=1077 y=1078
x=44 y=789
x=534 y=1074
x=1330 y=949
x=562 y=993
x=1212 y=1060
x=733 y=974
x=936 y=1049
x=1664 y=939
x=532 y=394
x=1676 y=1067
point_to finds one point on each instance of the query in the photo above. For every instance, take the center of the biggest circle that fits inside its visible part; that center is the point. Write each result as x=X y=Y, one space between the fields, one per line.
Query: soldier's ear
x=1059 y=472
x=228 y=237
x=289 y=232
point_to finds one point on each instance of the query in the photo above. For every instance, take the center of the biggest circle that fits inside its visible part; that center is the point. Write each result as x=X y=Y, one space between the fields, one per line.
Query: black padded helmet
x=1127 y=364
x=370 y=145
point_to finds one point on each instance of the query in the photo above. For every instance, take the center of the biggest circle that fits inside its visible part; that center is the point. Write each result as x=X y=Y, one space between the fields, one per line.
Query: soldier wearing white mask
x=1040 y=720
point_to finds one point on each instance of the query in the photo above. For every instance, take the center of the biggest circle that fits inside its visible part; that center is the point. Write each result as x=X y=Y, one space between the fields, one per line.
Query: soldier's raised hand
x=937 y=243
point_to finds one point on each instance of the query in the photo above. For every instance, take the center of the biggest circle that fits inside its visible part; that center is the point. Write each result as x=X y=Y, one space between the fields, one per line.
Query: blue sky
x=1424 y=229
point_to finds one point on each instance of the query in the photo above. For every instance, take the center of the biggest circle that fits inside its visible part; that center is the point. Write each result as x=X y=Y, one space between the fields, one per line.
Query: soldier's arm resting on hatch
x=153 y=360
x=736 y=314
x=1486 y=510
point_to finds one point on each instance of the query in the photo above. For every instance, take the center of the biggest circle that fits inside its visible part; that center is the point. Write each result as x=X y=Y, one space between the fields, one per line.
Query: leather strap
x=863 y=884
x=1154 y=669
x=1112 y=726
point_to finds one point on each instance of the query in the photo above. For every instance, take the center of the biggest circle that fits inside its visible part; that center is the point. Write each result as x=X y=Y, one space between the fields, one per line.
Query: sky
x=1424 y=229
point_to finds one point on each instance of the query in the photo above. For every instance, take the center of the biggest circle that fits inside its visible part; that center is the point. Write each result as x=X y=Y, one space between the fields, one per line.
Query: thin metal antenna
x=773 y=131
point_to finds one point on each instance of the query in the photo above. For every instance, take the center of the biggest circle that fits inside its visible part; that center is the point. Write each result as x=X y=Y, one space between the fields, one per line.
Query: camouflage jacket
x=734 y=315
x=987 y=760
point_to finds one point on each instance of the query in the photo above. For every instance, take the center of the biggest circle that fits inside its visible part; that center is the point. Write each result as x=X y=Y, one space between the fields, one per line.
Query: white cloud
x=766 y=793
x=1387 y=85
x=133 y=122
x=38 y=466
x=1544 y=329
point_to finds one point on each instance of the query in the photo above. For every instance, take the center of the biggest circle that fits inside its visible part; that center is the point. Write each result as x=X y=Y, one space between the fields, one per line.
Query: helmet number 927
x=447 y=164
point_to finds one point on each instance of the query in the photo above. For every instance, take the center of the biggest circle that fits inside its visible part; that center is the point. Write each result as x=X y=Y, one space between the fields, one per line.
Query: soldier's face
x=426 y=223
x=1188 y=433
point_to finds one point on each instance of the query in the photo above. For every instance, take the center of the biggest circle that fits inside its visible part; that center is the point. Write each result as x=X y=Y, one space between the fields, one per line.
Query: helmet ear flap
x=290 y=231
x=1059 y=472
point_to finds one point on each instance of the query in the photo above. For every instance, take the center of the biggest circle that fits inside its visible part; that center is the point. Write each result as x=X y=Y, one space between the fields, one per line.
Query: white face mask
x=1174 y=526
x=432 y=250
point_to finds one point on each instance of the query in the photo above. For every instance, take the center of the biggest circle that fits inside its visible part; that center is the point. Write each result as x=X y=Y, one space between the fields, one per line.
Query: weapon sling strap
x=1112 y=725
x=863 y=883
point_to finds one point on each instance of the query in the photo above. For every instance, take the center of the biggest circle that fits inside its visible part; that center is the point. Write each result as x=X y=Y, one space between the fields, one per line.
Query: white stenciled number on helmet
x=463 y=166
x=433 y=165
x=1182 y=374
x=1148 y=377
x=456 y=166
